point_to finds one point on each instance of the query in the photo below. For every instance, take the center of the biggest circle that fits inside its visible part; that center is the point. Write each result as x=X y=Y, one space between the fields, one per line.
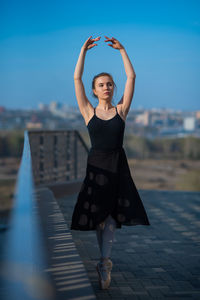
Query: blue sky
x=40 y=42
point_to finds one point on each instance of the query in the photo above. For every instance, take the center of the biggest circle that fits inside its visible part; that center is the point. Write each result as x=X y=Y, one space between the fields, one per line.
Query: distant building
x=189 y=123
x=34 y=122
x=142 y=119
x=53 y=106
x=33 y=125
x=57 y=109
x=157 y=119
x=43 y=107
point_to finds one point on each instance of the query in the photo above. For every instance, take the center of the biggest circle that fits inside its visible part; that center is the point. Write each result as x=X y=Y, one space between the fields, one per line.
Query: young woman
x=108 y=197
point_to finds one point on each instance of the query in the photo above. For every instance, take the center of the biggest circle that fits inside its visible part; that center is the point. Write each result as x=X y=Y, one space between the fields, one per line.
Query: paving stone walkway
x=160 y=261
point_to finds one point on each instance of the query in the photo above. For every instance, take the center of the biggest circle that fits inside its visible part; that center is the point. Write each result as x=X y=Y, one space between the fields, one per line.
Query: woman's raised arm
x=127 y=97
x=82 y=100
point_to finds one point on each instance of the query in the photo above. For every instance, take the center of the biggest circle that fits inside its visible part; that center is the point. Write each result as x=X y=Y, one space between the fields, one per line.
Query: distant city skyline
x=40 y=42
x=151 y=123
x=67 y=106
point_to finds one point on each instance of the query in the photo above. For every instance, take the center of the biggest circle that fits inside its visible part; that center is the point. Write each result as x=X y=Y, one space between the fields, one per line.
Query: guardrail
x=53 y=159
x=23 y=261
x=58 y=156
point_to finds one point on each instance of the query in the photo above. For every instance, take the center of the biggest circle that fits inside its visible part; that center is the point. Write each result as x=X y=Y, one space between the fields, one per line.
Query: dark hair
x=99 y=75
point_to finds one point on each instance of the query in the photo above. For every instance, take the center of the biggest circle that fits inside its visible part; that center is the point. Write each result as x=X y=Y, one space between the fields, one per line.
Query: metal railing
x=48 y=158
x=58 y=156
x=23 y=260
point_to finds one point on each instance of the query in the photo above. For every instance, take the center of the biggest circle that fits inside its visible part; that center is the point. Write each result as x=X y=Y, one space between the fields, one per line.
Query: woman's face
x=104 y=88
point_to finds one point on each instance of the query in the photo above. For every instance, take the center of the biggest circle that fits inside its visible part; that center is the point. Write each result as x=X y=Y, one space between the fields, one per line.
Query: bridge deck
x=160 y=261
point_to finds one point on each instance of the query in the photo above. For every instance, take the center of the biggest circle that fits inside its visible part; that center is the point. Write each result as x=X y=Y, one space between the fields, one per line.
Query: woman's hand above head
x=115 y=43
x=89 y=43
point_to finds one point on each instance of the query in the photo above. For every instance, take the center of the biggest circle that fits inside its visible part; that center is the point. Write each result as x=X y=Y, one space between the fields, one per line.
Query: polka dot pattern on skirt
x=107 y=188
x=124 y=202
x=121 y=218
x=93 y=208
x=89 y=190
x=86 y=205
x=101 y=179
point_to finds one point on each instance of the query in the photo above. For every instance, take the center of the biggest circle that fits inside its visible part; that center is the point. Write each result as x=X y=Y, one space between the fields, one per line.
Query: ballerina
x=108 y=197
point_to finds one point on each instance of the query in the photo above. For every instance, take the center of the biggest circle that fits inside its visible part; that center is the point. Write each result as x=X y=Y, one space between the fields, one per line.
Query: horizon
x=40 y=44
x=140 y=107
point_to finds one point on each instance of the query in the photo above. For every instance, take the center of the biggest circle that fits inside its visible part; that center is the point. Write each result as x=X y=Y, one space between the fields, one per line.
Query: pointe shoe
x=105 y=266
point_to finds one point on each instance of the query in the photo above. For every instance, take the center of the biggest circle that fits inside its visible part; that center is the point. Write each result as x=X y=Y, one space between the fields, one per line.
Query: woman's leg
x=105 y=236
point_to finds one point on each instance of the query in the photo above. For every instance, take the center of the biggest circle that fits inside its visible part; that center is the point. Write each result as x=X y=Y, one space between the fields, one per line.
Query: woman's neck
x=104 y=106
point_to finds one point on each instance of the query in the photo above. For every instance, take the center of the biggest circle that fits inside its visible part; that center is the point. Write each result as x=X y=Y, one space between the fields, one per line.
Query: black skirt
x=108 y=188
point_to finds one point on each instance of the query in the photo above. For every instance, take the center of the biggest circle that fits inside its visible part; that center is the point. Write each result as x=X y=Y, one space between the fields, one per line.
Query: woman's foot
x=104 y=268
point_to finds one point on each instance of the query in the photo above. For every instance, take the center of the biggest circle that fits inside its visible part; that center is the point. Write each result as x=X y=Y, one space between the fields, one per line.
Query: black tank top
x=106 y=134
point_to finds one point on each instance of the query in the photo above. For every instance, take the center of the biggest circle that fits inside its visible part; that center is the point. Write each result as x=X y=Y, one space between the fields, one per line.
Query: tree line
x=162 y=148
x=11 y=143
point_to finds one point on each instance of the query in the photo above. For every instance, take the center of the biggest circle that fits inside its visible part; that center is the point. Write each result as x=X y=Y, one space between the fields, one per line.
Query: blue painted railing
x=23 y=262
